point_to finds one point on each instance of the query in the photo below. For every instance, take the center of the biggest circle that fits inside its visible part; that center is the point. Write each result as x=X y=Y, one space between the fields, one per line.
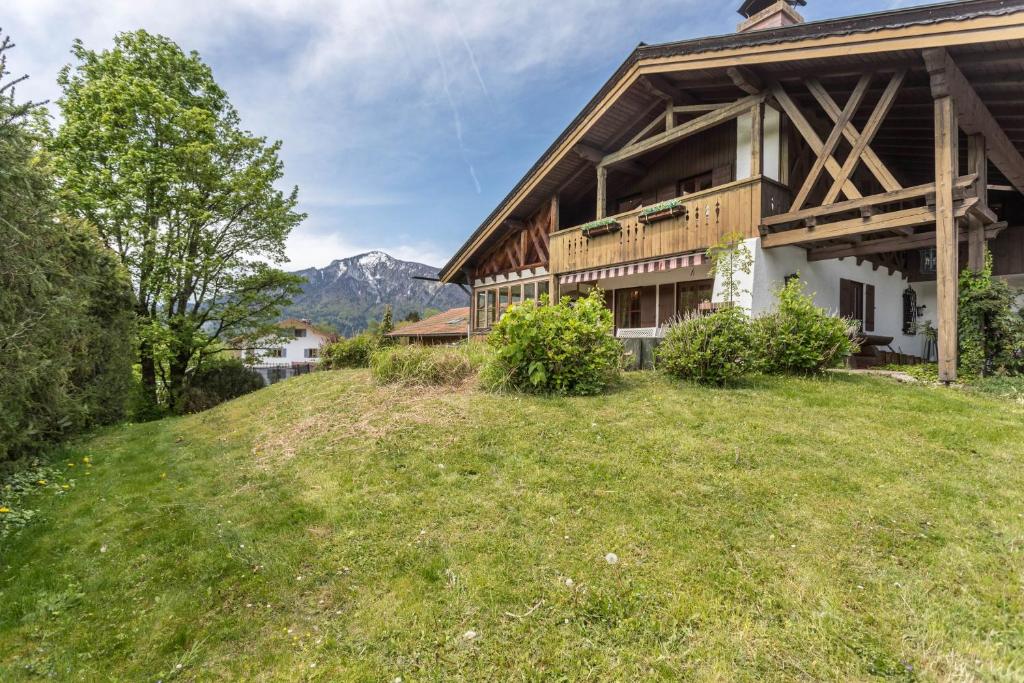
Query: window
x=481 y=309
x=311 y=353
x=491 y=299
x=857 y=302
x=276 y=353
x=492 y=303
x=690 y=296
x=696 y=183
x=636 y=307
x=629 y=203
x=502 y=302
x=300 y=332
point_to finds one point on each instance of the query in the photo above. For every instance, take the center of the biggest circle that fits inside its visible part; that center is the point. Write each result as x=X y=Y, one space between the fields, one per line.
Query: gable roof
x=290 y=323
x=453 y=322
x=737 y=45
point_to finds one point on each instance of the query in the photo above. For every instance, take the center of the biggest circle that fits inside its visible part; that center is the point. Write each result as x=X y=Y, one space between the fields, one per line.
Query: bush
x=217 y=382
x=798 y=337
x=710 y=349
x=415 y=365
x=991 y=332
x=349 y=353
x=565 y=348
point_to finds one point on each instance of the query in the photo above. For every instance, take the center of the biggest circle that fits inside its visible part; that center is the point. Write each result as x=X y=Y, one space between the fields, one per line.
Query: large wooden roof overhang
x=627 y=102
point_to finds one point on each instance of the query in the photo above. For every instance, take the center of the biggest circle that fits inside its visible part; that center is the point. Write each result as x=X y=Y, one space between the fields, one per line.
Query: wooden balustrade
x=706 y=217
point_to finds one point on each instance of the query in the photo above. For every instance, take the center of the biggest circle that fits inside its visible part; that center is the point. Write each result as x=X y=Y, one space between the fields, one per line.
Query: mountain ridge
x=350 y=293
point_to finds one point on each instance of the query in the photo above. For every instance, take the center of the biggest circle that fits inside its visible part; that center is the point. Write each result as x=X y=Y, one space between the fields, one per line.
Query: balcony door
x=636 y=307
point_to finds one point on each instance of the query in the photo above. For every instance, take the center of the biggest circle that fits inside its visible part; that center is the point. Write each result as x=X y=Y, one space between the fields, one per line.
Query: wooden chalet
x=875 y=155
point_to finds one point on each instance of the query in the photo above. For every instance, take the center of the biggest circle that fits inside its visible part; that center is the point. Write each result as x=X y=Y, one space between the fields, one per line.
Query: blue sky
x=404 y=121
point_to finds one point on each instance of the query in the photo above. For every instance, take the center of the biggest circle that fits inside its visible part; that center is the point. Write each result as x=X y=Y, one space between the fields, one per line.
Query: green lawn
x=325 y=529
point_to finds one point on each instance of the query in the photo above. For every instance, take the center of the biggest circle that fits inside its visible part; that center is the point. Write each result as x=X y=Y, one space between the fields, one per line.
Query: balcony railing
x=696 y=221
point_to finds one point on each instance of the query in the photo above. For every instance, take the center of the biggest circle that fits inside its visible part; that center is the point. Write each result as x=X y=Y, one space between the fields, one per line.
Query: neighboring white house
x=300 y=349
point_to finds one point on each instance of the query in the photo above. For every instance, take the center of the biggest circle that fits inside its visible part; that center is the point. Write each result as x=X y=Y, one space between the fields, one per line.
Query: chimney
x=765 y=14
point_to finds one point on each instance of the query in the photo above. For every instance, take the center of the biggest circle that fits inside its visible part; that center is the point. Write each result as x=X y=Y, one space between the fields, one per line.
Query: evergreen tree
x=66 y=319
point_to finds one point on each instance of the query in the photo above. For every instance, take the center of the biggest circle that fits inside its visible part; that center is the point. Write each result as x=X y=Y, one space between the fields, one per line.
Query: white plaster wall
x=295 y=350
x=744 y=145
x=771 y=266
x=772 y=151
x=771 y=144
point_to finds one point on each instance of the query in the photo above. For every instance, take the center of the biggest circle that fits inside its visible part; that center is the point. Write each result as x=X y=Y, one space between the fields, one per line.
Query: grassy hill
x=325 y=529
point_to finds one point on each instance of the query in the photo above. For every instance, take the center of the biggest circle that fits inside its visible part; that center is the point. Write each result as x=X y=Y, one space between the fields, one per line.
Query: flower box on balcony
x=605 y=226
x=661 y=211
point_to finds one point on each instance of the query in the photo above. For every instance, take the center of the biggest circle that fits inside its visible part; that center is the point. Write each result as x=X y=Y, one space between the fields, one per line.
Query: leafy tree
x=66 y=320
x=729 y=258
x=412 y=317
x=152 y=153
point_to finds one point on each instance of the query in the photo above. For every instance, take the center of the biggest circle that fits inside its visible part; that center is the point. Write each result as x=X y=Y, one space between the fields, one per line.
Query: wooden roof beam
x=596 y=156
x=662 y=88
x=745 y=79
x=888 y=244
x=894 y=220
x=685 y=130
x=974 y=117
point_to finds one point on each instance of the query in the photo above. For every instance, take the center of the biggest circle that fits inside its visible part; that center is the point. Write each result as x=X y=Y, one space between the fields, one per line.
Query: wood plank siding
x=708 y=216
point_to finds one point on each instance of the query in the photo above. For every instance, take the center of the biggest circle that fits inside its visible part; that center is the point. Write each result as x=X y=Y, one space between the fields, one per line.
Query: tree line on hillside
x=137 y=239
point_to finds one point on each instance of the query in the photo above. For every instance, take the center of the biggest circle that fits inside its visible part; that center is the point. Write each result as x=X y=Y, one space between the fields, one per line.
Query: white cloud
x=368 y=95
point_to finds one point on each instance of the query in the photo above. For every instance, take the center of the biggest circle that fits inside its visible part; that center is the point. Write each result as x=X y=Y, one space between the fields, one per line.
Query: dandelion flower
x=65 y=486
x=469 y=635
x=611 y=558
x=86 y=460
x=4 y=510
x=41 y=482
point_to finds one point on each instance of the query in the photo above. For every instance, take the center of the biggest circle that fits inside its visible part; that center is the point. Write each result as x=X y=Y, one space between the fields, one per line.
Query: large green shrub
x=799 y=337
x=217 y=382
x=565 y=348
x=416 y=365
x=349 y=353
x=710 y=349
x=991 y=331
x=66 y=318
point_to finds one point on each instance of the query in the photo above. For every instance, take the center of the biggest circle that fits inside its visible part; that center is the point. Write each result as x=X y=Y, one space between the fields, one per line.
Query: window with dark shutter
x=851 y=300
x=869 y=308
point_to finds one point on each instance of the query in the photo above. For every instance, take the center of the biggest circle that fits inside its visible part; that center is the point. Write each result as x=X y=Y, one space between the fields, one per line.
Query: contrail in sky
x=469 y=50
x=455 y=116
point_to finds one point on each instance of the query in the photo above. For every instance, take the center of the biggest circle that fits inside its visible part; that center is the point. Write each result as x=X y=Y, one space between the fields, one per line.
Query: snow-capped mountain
x=350 y=293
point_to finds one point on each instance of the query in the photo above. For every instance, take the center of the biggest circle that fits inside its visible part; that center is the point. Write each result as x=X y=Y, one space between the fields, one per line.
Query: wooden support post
x=946 y=240
x=977 y=162
x=670 y=115
x=757 y=140
x=553 y=220
x=602 y=191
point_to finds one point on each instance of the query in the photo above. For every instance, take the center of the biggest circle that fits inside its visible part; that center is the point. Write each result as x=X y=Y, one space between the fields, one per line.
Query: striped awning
x=655 y=266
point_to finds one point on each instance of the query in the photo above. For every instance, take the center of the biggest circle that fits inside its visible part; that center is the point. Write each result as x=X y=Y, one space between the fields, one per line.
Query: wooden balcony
x=700 y=222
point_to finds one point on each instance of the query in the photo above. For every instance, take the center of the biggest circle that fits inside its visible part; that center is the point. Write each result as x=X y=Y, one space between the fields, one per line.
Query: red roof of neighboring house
x=453 y=322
